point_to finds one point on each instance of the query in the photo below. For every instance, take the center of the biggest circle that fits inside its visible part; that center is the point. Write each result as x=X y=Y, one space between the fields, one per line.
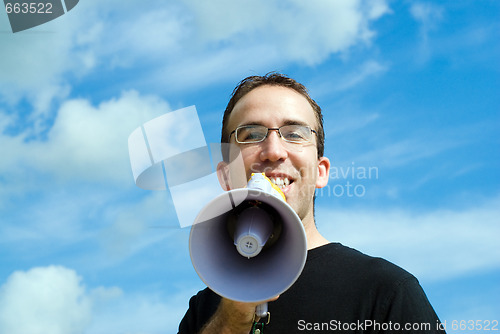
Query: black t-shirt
x=339 y=290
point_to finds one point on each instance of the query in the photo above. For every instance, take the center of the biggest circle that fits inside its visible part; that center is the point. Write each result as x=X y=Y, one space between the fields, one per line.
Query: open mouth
x=281 y=182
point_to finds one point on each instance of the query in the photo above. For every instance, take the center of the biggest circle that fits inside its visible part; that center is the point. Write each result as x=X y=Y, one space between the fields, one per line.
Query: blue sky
x=409 y=89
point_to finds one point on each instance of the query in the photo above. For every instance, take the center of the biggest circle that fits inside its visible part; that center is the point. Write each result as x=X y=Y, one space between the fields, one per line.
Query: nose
x=272 y=148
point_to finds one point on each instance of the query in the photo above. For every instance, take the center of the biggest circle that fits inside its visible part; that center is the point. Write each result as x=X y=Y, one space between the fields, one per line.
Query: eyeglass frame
x=273 y=129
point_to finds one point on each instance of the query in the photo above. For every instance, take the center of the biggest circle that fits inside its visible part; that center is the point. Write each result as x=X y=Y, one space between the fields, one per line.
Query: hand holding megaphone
x=248 y=245
x=233 y=317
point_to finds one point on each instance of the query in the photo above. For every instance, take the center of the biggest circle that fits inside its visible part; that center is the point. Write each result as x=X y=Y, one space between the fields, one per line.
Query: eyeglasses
x=294 y=133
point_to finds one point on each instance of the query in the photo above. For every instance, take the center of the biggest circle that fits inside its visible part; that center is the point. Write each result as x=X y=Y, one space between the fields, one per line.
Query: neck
x=314 y=238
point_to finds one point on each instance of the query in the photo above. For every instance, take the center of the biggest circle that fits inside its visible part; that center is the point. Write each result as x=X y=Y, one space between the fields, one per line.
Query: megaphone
x=248 y=244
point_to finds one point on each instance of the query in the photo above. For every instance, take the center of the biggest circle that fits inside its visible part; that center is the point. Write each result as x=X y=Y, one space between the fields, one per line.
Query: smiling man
x=279 y=130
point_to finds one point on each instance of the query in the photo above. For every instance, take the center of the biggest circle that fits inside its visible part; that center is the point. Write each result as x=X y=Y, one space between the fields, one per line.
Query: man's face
x=295 y=168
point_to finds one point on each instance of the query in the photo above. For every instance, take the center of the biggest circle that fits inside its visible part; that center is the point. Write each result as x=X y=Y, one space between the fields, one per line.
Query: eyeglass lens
x=289 y=133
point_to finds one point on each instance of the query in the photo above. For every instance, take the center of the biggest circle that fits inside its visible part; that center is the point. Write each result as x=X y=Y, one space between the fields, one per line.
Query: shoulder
x=376 y=277
x=342 y=283
x=201 y=307
x=351 y=265
x=205 y=301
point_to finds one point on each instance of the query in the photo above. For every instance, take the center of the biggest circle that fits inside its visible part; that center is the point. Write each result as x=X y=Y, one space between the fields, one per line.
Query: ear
x=223 y=175
x=323 y=172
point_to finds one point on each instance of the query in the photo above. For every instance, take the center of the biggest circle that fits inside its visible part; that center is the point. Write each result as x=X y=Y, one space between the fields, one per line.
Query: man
x=340 y=289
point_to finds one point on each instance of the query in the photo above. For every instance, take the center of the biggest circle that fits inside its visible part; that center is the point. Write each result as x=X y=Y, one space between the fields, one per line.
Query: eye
x=249 y=134
x=253 y=135
x=294 y=136
x=295 y=133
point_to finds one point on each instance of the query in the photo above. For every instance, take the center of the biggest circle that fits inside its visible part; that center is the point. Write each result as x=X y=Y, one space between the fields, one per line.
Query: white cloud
x=37 y=226
x=140 y=313
x=54 y=300
x=378 y=8
x=348 y=124
x=86 y=142
x=52 y=188
x=70 y=188
x=436 y=245
x=35 y=61
x=230 y=39
x=177 y=38
x=366 y=70
x=44 y=300
x=301 y=31
x=97 y=225
x=428 y=15
x=130 y=231
x=139 y=35
x=406 y=151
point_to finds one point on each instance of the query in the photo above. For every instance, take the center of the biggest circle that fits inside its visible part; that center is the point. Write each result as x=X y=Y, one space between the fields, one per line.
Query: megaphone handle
x=261 y=310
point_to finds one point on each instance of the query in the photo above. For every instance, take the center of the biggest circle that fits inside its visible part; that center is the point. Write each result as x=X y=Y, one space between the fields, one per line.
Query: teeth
x=280 y=182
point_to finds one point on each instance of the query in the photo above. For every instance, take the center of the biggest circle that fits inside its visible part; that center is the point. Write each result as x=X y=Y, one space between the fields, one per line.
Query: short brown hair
x=272 y=79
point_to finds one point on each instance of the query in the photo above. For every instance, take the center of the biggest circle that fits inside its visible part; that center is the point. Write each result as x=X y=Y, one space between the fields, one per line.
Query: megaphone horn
x=248 y=244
